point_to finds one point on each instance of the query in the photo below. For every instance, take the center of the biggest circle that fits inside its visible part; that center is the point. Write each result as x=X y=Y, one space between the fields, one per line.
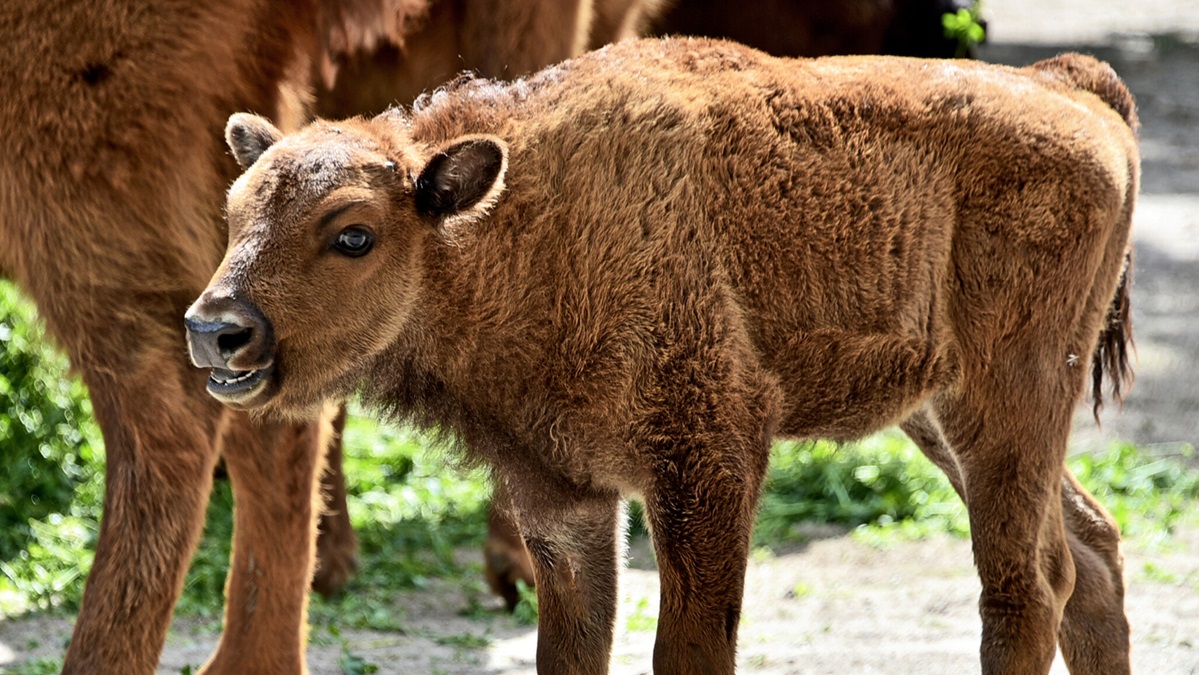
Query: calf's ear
x=249 y=136
x=463 y=179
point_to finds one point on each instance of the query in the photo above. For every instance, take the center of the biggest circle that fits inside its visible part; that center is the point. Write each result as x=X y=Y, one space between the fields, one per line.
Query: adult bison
x=813 y=28
x=626 y=274
x=112 y=176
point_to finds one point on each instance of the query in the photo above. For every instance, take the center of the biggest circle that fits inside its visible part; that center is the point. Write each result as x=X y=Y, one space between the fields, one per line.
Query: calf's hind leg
x=1009 y=436
x=336 y=545
x=1094 y=633
x=505 y=558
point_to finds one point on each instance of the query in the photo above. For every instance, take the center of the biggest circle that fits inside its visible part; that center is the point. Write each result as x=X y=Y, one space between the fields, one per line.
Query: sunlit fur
x=696 y=248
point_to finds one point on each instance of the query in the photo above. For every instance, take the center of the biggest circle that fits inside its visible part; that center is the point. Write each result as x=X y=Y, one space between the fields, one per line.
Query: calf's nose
x=229 y=334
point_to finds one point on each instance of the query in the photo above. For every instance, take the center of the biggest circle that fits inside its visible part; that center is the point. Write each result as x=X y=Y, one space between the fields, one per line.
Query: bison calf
x=626 y=274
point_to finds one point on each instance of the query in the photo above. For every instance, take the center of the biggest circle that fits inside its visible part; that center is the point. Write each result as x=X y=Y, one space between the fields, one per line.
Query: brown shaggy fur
x=456 y=36
x=112 y=176
x=448 y=41
x=451 y=37
x=625 y=275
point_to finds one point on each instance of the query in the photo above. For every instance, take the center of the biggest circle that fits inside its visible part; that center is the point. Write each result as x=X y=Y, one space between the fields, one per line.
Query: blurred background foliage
x=417 y=520
x=51 y=466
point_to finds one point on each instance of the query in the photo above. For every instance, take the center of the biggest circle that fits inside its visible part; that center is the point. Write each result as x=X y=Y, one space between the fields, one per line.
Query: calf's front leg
x=575 y=542
x=701 y=511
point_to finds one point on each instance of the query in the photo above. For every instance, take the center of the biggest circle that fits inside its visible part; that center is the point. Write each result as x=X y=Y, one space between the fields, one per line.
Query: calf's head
x=328 y=230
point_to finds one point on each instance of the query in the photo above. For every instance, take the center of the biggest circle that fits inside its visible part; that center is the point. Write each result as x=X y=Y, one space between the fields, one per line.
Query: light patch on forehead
x=293 y=174
x=320 y=167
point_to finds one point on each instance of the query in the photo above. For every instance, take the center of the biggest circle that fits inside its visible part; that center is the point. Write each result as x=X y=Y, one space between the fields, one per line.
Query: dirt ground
x=836 y=605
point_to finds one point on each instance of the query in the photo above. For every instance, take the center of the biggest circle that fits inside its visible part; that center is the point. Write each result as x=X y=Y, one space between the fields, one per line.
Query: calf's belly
x=843 y=385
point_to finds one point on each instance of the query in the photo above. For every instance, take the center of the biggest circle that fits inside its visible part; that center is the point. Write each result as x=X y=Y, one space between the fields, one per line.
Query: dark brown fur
x=625 y=275
x=814 y=27
x=456 y=36
x=112 y=175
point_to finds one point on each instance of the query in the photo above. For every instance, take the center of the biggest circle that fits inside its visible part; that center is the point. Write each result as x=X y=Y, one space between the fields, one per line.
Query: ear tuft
x=463 y=179
x=249 y=136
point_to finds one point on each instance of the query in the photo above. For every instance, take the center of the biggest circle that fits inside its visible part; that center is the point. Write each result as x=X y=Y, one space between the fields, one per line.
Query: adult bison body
x=625 y=275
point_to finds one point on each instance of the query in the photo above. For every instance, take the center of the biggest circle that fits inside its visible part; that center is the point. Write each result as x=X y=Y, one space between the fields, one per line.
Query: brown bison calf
x=625 y=275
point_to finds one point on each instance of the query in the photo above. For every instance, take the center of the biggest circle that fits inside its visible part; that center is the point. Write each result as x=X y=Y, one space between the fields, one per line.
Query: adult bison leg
x=158 y=431
x=274 y=469
x=572 y=538
x=336 y=545
x=1094 y=632
x=505 y=558
x=1009 y=435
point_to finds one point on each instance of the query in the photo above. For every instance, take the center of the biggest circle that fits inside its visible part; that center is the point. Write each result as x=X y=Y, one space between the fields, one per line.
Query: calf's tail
x=1111 y=355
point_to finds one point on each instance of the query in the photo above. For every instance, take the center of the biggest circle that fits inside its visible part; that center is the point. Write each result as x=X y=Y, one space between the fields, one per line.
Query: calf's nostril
x=236 y=337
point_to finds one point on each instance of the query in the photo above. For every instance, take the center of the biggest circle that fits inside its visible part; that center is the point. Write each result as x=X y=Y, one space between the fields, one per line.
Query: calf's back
x=860 y=222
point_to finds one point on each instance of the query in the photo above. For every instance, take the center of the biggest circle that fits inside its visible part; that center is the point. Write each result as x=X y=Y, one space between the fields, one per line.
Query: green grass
x=1149 y=496
x=51 y=666
x=525 y=611
x=642 y=618
x=882 y=482
x=464 y=641
x=885 y=488
x=411 y=514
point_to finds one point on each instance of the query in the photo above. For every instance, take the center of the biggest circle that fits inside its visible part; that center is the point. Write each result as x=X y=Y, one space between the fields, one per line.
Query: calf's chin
x=299 y=394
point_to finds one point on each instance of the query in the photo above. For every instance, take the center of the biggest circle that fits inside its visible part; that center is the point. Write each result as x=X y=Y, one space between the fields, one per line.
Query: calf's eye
x=354 y=241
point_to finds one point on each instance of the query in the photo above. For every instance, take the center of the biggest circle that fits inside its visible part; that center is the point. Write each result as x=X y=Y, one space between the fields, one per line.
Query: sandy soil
x=837 y=605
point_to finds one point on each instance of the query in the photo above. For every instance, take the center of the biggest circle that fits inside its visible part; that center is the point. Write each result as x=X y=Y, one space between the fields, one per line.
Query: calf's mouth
x=238 y=386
